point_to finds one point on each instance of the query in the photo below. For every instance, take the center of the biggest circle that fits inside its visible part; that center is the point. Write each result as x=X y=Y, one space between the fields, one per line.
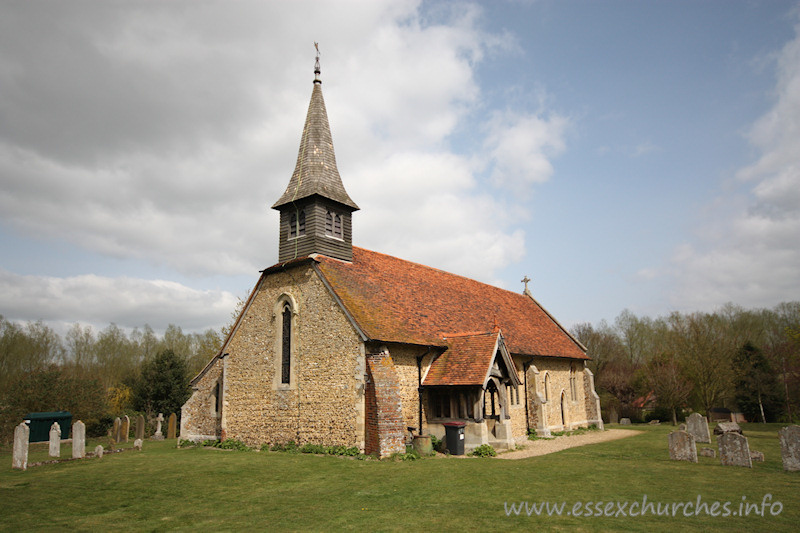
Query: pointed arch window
x=297 y=224
x=286 y=344
x=334 y=225
x=573 y=383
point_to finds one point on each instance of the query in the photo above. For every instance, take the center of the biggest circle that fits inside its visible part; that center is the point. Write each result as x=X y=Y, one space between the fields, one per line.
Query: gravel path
x=543 y=447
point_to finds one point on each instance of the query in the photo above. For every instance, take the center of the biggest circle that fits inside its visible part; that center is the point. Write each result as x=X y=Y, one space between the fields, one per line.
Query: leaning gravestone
x=140 y=427
x=117 y=430
x=734 y=450
x=727 y=427
x=697 y=426
x=20 y=457
x=158 y=435
x=137 y=444
x=681 y=447
x=171 y=427
x=790 y=448
x=98 y=451
x=78 y=440
x=55 y=440
x=126 y=428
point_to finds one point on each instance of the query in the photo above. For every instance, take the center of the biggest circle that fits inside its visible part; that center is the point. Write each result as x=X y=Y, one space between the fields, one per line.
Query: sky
x=623 y=155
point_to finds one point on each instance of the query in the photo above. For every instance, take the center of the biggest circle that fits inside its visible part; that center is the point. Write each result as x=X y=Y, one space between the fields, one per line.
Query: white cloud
x=124 y=301
x=162 y=134
x=754 y=255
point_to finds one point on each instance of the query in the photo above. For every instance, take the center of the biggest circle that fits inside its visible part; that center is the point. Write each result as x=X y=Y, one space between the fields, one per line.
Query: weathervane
x=317 y=70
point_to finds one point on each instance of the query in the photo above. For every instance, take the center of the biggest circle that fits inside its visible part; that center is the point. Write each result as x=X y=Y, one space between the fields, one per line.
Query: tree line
x=745 y=360
x=97 y=375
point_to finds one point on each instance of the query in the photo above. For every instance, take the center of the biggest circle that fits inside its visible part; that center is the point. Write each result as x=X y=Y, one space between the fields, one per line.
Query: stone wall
x=200 y=419
x=576 y=412
x=323 y=403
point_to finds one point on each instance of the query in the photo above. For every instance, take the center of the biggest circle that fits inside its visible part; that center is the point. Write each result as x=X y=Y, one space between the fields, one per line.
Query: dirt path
x=543 y=447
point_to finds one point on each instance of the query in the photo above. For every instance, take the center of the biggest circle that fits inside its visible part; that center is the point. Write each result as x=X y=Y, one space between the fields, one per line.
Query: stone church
x=339 y=345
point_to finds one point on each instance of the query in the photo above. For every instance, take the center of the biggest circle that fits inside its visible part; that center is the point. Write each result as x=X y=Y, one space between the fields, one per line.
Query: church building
x=339 y=345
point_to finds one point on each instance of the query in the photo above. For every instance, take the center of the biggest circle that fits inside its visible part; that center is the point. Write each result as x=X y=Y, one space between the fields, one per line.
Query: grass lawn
x=164 y=488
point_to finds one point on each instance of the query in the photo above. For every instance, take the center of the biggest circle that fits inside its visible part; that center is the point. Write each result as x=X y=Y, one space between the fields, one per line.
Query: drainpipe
x=419 y=387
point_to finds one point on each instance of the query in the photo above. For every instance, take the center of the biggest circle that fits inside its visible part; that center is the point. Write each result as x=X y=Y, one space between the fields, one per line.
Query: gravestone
x=613 y=416
x=697 y=426
x=140 y=427
x=707 y=452
x=98 y=451
x=681 y=447
x=790 y=448
x=137 y=444
x=171 y=427
x=55 y=440
x=20 y=457
x=734 y=450
x=625 y=421
x=158 y=435
x=78 y=440
x=654 y=422
x=126 y=428
x=681 y=427
x=757 y=456
x=117 y=430
x=727 y=427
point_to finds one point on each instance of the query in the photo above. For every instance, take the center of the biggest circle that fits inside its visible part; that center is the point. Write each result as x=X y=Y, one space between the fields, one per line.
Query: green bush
x=288 y=447
x=233 y=444
x=437 y=444
x=484 y=450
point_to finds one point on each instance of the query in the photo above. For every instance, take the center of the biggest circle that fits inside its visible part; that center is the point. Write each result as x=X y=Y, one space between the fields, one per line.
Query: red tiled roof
x=393 y=300
x=466 y=361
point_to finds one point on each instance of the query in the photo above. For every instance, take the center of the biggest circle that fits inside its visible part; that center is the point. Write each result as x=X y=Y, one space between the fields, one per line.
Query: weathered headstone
x=117 y=433
x=173 y=420
x=126 y=428
x=727 y=427
x=20 y=457
x=140 y=427
x=78 y=440
x=681 y=427
x=55 y=440
x=790 y=448
x=757 y=456
x=625 y=421
x=697 y=426
x=137 y=444
x=707 y=452
x=158 y=435
x=654 y=422
x=734 y=450
x=613 y=416
x=98 y=451
x=681 y=447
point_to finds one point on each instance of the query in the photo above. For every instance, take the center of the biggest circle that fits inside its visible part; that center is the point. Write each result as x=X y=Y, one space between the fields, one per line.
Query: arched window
x=337 y=226
x=301 y=227
x=293 y=225
x=297 y=224
x=328 y=223
x=547 y=387
x=573 y=383
x=286 y=344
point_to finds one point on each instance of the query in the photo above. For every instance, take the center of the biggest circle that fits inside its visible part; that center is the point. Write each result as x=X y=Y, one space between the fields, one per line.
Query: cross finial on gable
x=526 y=291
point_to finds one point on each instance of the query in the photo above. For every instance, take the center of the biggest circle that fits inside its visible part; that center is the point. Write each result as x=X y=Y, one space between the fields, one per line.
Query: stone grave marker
x=20 y=455
x=727 y=427
x=158 y=435
x=126 y=428
x=734 y=450
x=625 y=421
x=697 y=426
x=78 y=440
x=140 y=427
x=681 y=447
x=117 y=432
x=98 y=451
x=681 y=427
x=707 y=452
x=790 y=448
x=55 y=440
x=757 y=456
x=137 y=444
x=171 y=427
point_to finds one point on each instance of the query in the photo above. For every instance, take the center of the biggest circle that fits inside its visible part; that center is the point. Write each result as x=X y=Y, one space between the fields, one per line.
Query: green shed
x=40 y=424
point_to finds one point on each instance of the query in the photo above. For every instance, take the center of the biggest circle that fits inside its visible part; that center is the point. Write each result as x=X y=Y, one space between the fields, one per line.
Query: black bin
x=454 y=437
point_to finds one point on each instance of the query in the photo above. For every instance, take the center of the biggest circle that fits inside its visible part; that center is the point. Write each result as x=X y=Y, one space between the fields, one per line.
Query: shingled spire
x=316 y=211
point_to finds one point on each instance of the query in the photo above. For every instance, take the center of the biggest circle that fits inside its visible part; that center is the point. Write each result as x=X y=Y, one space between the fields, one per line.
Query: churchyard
x=166 y=488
